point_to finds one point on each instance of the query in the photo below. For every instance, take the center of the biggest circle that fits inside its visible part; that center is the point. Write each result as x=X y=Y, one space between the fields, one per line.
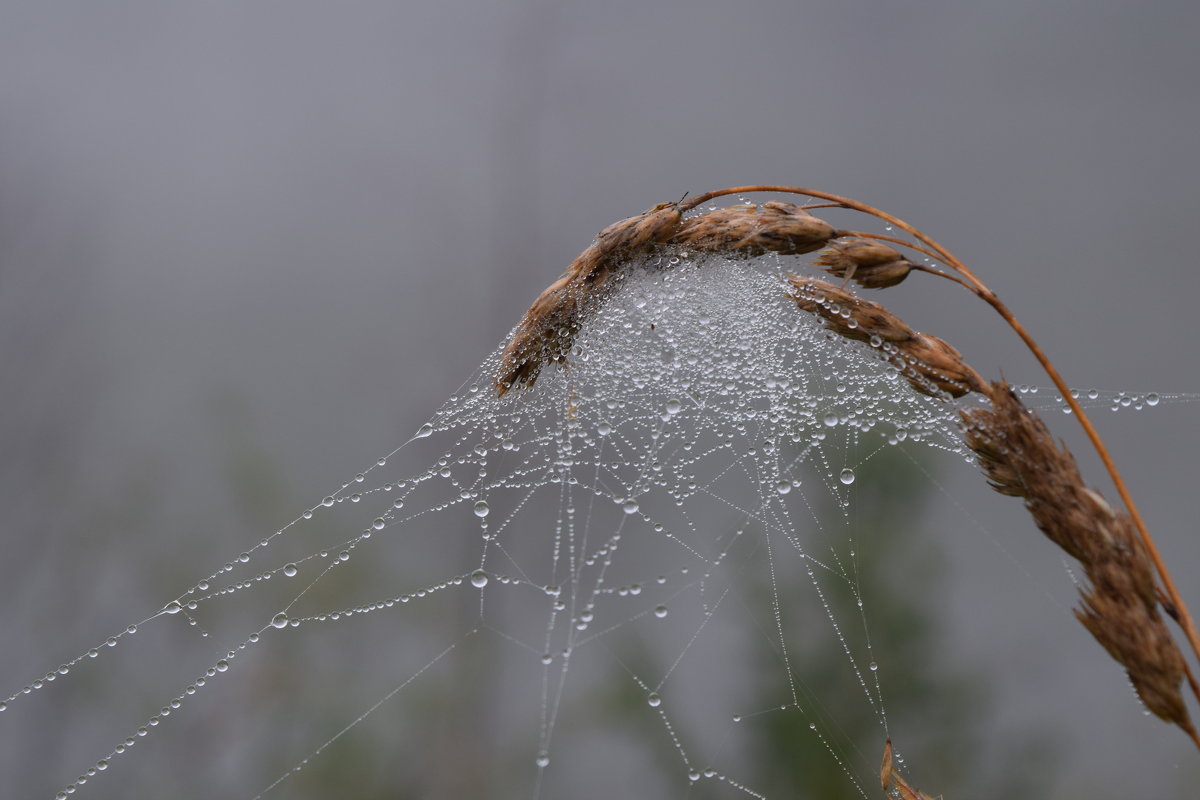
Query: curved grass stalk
x=1015 y=449
x=1177 y=609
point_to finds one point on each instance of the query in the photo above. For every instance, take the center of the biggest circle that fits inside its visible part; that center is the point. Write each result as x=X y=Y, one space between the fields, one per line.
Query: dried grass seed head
x=870 y=264
x=1120 y=608
x=750 y=231
x=549 y=327
x=930 y=365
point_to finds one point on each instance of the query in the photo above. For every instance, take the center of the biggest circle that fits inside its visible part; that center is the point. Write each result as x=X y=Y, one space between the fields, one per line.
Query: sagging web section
x=662 y=528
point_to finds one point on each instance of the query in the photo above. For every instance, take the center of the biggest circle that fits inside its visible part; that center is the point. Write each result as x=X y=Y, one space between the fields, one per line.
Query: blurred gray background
x=247 y=248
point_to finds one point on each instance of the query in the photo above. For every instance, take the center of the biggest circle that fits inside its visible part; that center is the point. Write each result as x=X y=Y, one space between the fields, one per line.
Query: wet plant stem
x=1182 y=615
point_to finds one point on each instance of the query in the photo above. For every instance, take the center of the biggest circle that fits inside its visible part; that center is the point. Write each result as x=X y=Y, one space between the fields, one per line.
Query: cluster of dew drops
x=677 y=355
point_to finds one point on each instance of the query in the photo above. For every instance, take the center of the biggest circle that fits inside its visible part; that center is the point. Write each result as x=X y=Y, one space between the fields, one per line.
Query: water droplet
x=290 y=570
x=327 y=502
x=543 y=760
x=660 y=611
x=481 y=509
x=479 y=579
x=653 y=700
x=1152 y=399
x=173 y=607
x=423 y=431
x=630 y=507
x=378 y=524
x=847 y=476
x=280 y=620
x=222 y=665
x=1092 y=394
x=831 y=420
x=674 y=406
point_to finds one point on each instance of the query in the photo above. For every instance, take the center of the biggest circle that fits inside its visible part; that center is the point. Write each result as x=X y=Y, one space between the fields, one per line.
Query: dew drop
x=543 y=760
x=327 y=501
x=378 y=523
x=1152 y=399
x=847 y=476
x=653 y=700
x=873 y=666
x=280 y=620
x=173 y=607
x=783 y=487
x=674 y=406
x=831 y=420
x=222 y=665
x=423 y=431
x=660 y=611
x=630 y=507
x=481 y=509
x=290 y=570
x=479 y=579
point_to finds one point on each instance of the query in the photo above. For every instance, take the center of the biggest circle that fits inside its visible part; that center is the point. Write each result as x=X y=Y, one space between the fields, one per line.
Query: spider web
x=611 y=580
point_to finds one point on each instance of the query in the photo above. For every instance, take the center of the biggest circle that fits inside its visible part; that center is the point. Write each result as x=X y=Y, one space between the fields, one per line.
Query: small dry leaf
x=893 y=782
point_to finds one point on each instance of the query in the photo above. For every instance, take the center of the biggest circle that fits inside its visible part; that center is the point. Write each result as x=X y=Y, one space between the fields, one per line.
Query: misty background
x=246 y=249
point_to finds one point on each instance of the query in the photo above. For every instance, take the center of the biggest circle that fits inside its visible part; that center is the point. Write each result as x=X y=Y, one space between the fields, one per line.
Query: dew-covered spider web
x=634 y=579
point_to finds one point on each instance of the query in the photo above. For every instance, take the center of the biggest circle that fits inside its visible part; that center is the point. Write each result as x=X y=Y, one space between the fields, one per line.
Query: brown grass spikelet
x=870 y=264
x=1120 y=608
x=548 y=329
x=929 y=364
x=773 y=227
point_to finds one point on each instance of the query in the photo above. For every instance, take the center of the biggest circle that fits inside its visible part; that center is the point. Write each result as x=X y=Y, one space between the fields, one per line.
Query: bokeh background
x=247 y=248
